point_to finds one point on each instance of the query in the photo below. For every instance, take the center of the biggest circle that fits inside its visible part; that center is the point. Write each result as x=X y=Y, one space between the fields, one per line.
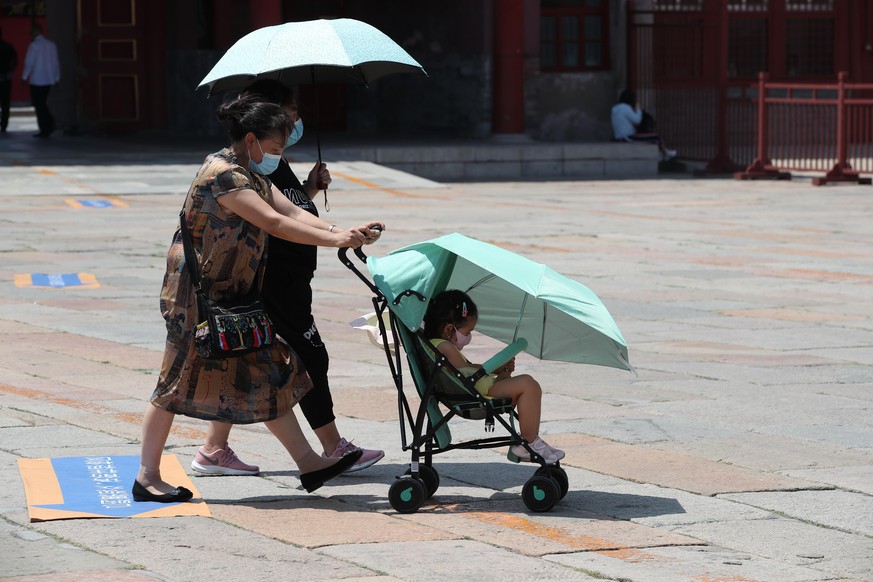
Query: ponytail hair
x=247 y=113
x=454 y=307
x=629 y=97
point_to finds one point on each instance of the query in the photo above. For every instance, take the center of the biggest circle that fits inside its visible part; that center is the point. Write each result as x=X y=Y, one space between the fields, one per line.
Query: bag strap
x=190 y=256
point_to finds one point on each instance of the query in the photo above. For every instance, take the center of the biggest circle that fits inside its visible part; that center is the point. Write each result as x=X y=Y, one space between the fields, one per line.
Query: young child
x=449 y=323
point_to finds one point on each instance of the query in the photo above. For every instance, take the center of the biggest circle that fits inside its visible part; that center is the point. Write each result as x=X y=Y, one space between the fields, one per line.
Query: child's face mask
x=461 y=339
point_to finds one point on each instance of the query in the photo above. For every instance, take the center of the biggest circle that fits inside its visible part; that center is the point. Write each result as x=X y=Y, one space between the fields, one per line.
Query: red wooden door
x=16 y=31
x=120 y=56
x=865 y=59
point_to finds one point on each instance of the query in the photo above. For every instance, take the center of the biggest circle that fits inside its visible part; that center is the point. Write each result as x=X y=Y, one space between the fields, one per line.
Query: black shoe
x=315 y=479
x=140 y=493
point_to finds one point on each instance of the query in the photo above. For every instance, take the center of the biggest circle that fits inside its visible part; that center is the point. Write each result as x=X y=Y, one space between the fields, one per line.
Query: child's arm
x=453 y=355
x=506 y=370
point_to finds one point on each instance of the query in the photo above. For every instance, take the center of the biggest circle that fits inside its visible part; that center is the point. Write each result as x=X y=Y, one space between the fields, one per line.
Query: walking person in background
x=8 y=62
x=42 y=70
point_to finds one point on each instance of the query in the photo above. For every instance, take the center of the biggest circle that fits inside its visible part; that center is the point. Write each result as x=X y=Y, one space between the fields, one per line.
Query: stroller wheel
x=540 y=493
x=406 y=495
x=560 y=477
x=430 y=477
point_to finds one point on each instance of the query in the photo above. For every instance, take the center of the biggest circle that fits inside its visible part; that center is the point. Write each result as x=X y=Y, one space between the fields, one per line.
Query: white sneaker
x=557 y=453
x=541 y=448
x=669 y=155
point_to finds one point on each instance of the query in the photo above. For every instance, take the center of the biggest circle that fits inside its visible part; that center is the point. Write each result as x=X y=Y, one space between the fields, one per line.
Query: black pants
x=5 y=96
x=44 y=119
x=288 y=301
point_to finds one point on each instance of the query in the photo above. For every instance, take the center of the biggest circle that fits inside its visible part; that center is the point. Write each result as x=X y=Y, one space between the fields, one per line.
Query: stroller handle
x=345 y=260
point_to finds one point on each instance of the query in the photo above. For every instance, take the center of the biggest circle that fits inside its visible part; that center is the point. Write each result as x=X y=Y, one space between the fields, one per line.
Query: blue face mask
x=296 y=133
x=267 y=165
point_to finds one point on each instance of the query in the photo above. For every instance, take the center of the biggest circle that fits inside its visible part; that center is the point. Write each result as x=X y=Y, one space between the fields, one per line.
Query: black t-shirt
x=303 y=257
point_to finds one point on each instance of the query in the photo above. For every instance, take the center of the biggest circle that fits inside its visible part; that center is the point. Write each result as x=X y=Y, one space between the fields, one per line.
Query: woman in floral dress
x=231 y=208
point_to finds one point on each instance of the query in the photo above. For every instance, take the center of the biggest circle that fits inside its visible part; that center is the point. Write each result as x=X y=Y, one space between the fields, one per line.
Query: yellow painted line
x=114 y=201
x=376 y=186
x=47 y=172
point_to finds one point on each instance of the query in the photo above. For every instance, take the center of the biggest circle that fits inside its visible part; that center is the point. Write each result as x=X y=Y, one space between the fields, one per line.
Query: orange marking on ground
x=127 y=417
x=375 y=186
x=632 y=555
x=555 y=534
x=46 y=172
x=818 y=275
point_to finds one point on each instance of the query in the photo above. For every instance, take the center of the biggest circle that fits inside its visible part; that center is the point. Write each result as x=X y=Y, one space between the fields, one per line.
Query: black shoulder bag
x=226 y=329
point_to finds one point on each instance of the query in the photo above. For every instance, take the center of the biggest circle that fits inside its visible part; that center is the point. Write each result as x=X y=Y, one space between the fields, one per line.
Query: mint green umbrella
x=341 y=50
x=561 y=319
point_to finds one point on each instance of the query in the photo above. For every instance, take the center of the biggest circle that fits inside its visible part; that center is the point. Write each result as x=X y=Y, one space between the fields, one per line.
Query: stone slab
x=31 y=553
x=840 y=510
x=312 y=523
x=649 y=465
x=791 y=542
x=686 y=564
x=564 y=529
x=466 y=560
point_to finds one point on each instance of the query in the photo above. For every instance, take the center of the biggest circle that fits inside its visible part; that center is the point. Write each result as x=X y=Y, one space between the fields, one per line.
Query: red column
x=508 y=68
x=265 y=13
x=223 y=28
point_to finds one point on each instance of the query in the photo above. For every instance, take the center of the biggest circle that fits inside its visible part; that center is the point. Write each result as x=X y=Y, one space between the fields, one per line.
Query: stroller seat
x=453 y=390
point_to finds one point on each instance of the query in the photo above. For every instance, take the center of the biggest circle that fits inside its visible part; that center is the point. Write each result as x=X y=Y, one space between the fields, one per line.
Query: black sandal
x=315 y=479
x=178 y=494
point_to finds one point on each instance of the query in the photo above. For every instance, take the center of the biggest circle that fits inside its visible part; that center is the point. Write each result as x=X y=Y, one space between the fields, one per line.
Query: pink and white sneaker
x=221 y=462
x=368 y=458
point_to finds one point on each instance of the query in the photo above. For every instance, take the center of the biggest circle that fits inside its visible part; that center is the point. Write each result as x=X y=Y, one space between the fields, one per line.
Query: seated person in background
x=627 y=118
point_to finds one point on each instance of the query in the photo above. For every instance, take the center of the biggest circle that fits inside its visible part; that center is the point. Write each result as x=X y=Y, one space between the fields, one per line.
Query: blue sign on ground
x=95 y=203
x=99 y=485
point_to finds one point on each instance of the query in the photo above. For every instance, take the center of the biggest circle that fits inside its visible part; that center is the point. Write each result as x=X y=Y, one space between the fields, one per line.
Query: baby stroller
x=562 y=319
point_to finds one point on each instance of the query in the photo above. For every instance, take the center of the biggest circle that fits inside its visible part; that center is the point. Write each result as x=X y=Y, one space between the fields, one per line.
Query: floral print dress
x=259 y=386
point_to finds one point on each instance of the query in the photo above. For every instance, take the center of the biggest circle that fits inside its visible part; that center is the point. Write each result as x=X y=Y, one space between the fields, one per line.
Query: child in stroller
x=448 y=324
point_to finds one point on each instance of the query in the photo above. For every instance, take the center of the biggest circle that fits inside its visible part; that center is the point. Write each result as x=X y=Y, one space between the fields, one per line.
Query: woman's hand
x=319 y=178
x=353 y=237
x=373 y=230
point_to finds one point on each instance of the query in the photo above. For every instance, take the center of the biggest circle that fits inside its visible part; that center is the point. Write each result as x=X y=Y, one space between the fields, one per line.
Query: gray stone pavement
x=741 y=450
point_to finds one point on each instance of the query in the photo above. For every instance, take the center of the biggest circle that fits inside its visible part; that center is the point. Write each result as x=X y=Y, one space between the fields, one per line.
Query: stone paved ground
x=741 y=450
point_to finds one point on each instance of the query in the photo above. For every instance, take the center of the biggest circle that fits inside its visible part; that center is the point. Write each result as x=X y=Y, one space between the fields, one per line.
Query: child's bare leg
x=527 y=395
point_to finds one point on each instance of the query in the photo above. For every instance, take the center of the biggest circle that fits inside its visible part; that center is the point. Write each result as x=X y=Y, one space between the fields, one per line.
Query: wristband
x=331 y=227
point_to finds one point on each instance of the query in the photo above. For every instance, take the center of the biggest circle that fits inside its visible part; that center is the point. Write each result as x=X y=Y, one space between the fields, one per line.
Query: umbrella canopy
x=561 y=319
x=340 y=50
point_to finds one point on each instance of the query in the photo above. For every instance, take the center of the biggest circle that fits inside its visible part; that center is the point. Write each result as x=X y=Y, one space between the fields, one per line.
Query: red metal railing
x=813 y=127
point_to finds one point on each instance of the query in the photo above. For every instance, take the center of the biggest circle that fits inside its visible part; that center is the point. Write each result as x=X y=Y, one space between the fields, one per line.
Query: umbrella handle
x=317 y=134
